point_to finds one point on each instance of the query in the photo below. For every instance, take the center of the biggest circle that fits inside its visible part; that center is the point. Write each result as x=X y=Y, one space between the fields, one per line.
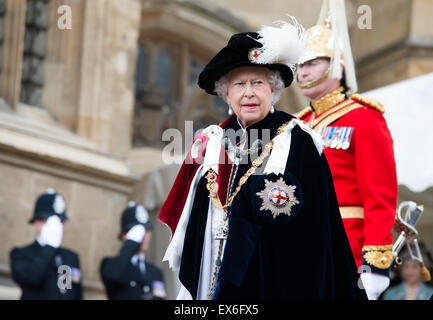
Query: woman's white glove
x=52 y=232
x=374 y=284
x=136 y=233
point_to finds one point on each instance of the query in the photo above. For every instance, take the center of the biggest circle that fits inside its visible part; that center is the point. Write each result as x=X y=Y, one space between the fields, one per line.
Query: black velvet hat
x=243 y=49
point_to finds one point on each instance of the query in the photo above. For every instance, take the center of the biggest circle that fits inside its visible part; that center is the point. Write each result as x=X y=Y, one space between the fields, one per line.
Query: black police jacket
x=45 y=272
x=124 y=281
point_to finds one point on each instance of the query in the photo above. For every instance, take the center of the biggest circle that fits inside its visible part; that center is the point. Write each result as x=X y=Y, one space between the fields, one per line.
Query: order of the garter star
x=278 y=197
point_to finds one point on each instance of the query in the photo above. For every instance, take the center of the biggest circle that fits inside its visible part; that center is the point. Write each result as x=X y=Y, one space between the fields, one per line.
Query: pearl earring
x=272 y=109
x=230 y=112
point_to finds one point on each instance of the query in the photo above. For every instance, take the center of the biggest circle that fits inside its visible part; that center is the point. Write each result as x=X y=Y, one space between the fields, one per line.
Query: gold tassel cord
x=425 y=273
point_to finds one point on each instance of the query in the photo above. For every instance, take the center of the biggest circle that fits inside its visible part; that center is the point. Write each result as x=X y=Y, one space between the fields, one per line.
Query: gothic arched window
x=166 y=91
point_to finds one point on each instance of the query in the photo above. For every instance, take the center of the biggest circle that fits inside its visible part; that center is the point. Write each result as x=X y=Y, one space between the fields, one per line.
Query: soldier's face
x=313 y=70
x=249 y=93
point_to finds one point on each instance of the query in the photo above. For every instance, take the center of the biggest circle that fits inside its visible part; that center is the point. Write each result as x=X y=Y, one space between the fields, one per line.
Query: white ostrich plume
x=282 y=44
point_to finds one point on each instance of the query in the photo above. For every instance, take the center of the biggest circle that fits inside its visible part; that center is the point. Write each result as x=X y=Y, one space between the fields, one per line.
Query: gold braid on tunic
x=329 y=100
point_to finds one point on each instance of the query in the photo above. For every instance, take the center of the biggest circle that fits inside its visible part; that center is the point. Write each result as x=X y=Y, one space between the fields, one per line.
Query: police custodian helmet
x=48 y=204
x=134 y=214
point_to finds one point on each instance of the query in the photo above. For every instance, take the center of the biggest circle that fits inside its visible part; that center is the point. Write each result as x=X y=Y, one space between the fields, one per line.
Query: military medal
x=346 y=145
x=340 y=138
x=323 y=134
x=334 y=142
x=328 y=135
x=347 y=138
x=278 y=198
x=337 y=137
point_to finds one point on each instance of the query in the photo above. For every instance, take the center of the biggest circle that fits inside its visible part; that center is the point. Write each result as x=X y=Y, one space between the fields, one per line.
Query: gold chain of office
x=212 y=185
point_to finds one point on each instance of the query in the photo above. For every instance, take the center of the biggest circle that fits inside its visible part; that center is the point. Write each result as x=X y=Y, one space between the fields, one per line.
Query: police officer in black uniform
x=43 y=269
x=128 y=276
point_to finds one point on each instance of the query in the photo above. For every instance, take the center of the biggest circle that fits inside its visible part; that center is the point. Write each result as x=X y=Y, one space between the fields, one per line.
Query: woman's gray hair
x=274 y=79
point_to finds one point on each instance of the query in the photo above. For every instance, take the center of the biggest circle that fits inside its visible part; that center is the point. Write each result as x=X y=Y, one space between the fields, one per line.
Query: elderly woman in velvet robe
x=253 y=209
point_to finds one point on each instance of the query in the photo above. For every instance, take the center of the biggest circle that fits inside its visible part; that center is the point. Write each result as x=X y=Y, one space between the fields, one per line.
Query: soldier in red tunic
x=358 y=146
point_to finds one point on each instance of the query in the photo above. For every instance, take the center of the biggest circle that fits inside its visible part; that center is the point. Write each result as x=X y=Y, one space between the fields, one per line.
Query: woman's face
x=411 y=271
x=249 y=93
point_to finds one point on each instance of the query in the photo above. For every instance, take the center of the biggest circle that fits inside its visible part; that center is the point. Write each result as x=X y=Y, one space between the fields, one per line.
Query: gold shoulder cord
x=212 y=185
x=368 y=101
x=304 y=112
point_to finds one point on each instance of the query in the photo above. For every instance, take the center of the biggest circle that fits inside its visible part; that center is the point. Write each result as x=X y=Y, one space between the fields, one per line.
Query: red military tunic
x=363 y=170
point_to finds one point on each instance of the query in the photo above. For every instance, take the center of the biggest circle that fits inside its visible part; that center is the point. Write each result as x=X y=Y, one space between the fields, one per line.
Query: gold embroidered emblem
x=379 y=259
x=329 y=100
